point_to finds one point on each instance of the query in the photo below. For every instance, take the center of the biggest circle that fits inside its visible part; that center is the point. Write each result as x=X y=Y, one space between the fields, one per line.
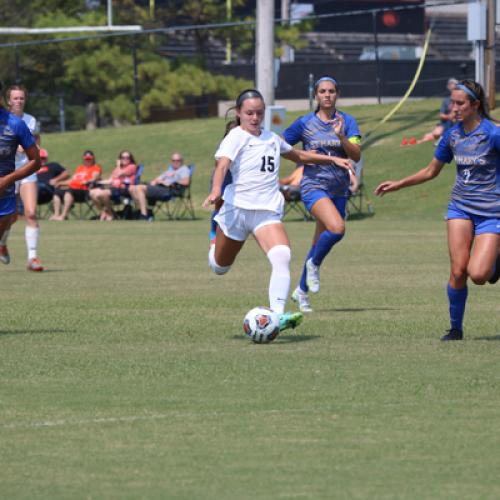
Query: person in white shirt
x=27 y=187
x=253 y=203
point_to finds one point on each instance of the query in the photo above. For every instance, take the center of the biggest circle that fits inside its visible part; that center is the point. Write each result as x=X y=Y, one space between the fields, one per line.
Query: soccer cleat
x=496 y=274
x=302 y=300
x=404 y=142
x=312 y=276
x=4 y=254
x=453 y=334
x=34 y=265
x=290 y=320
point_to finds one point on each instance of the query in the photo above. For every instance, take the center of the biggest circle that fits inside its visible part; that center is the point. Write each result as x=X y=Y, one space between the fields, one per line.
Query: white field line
x=138 y=418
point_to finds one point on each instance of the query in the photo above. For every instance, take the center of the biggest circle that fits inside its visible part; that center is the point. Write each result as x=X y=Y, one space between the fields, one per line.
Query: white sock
x=213 y=265
x=3 y=239
x=31 y=236
x=279 y=284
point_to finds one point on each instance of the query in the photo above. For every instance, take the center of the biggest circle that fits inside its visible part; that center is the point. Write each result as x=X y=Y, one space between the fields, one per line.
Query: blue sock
x=213 y=225
x=303 y=285
x=457 y=299
x=324 y=244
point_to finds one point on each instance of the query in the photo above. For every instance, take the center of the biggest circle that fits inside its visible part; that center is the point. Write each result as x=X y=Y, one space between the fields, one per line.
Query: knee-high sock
x=324 y=244
x=3 y=240
x=279 y=284
x=457 y=299
x=303 y=283
x=213 y=264
x=31 y=235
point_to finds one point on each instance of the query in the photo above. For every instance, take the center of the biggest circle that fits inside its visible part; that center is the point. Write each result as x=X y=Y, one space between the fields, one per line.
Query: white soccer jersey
x=22 y=158
x=255 y=164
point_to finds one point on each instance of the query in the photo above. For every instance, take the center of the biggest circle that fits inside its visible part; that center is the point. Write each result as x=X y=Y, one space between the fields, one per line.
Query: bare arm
x=426 y=174
x=59 y=178
x=221 y=169
x=300 y=156
x=29 y=168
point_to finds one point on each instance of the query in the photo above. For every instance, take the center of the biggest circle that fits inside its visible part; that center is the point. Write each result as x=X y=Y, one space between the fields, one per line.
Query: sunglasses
x=176 y=159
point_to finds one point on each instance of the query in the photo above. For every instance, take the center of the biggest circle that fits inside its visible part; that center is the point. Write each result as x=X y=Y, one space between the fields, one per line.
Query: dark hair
x=88 y=152
x=246 y=94
x=325 y=79
x=132 y=159
x=16 y=87
x=475 y=92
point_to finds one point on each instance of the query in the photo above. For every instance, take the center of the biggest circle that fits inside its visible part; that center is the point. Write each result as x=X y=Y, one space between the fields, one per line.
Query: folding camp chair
x=125 y=206
x=180 y=206
x=359 y=199
x=293 y=203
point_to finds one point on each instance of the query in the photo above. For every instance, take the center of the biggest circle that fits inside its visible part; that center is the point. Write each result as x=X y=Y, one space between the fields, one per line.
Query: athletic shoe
x=302 y=300
x=496 y=274
x=404 y=142
x=412 y=141
x=453 y=334
x=290 y=320
x=34 y=265
x=312 y=276
x=4 y=254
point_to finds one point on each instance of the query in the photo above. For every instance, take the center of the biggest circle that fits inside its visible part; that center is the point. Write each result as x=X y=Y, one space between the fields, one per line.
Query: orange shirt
x=83 y=175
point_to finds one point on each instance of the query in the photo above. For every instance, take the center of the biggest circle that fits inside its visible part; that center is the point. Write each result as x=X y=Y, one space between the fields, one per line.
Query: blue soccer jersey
x=477 y=156
x=316 y=134
x=13 y=132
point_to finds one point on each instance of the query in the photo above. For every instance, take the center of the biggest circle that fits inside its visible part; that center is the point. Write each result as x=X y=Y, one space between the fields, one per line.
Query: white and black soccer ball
x=261 y=324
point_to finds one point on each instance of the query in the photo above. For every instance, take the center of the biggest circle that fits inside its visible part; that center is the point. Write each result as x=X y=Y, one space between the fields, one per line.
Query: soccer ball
x=261 y=324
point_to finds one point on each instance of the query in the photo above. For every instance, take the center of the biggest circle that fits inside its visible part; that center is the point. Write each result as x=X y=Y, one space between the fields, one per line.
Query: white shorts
x=26 y=180
x=237 y=223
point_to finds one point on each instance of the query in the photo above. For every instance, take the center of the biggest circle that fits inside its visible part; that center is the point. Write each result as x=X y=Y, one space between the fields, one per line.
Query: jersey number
x=267 y=164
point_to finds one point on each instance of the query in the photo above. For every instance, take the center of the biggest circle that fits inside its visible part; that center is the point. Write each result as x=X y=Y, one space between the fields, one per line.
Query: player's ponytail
x=474 y=93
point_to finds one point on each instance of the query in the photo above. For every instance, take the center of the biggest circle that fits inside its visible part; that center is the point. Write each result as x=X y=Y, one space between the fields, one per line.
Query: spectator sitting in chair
x=49 y=177
x=77 y=187
x=112 y=189
x=168 y=184
x=290 y=185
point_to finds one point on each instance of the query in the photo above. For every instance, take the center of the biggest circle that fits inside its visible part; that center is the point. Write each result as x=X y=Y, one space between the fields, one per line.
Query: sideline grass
x=125 y=373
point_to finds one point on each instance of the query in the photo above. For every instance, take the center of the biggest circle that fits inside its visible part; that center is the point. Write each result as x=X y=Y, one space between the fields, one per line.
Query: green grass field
x=125 y=372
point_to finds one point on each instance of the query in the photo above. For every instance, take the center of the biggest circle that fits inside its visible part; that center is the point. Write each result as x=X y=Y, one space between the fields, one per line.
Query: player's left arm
x=349 y=135
x=309 y=157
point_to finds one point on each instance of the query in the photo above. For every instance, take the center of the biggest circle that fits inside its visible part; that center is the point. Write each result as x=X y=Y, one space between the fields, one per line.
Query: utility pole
x=229 y=47
x=489 y=55
x=285 y=16
x=264 y=50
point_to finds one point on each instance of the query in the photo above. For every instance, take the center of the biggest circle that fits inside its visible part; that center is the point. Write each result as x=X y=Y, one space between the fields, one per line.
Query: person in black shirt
x=49 y=177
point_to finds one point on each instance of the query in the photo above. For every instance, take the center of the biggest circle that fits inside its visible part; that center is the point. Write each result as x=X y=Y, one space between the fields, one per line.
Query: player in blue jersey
x=474 y=209
x=324 y=189
x=13 y=133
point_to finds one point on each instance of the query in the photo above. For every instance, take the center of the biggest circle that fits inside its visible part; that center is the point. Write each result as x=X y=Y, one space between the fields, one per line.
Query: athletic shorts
x=482 y=225
x=311 y=197
x=26 y=180
x=237 y=223
x=7 y=206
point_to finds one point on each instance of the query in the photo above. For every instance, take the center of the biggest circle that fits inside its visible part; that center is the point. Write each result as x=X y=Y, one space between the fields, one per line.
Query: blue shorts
x=482 y=224
x=7 y=206
x=311 y=197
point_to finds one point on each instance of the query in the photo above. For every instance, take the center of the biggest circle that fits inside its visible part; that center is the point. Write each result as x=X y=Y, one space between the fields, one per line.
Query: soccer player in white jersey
x=27 y=187
x=474 y=209
x=253 y=202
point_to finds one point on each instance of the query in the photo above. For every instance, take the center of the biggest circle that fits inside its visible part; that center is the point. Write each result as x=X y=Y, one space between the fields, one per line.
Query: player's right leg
x=460 y=238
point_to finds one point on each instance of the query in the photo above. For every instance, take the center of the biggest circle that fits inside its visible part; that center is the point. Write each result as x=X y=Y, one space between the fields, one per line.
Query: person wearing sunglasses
x=117 y=185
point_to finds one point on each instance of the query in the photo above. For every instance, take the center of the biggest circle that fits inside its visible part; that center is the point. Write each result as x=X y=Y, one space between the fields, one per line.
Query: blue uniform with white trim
x=13 y=132
x=316 y=134
x=476 y=193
